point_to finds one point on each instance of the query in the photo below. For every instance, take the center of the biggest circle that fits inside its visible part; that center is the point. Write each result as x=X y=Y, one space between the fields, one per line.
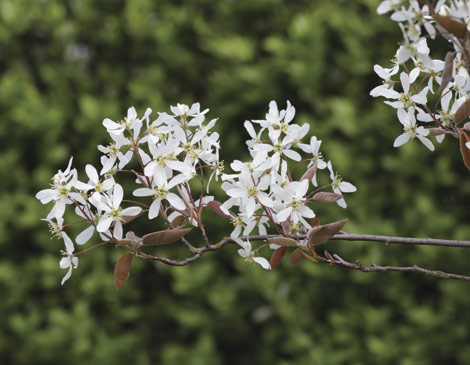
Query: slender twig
x=377 y=268
x=400 y=240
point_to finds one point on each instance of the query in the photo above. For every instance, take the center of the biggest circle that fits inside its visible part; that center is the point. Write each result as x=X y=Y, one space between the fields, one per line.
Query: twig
x=376 y=268
x=400 y=240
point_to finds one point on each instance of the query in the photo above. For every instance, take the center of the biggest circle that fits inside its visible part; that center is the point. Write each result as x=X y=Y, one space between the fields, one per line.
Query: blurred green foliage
x=65 y=66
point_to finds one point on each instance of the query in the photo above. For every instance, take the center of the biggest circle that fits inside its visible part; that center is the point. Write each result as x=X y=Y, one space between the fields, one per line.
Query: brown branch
x=376 y=268
x=400 y=240
x=198 y=252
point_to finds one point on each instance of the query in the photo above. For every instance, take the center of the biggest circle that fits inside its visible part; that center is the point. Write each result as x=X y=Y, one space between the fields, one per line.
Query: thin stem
x=377 y=268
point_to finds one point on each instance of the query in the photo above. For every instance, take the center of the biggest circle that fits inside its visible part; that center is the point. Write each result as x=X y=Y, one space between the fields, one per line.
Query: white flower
x=294 y=203
x=249 y=255
x=113 y=212
x=405 y=99
x=411 y=130
x=112 y=152
x=385 y=74
x=68 y=262
x=161 y=191
x=163 y=154
x=249 y=189
x=339 y=186
x=131 y=122
x=61 y=188
x=314 y=149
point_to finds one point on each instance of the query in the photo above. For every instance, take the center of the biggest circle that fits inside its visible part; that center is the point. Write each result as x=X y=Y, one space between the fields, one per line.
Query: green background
x=66 y=65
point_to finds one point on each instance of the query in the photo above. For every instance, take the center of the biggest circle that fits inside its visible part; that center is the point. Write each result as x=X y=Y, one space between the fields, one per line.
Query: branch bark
x=400 y=240
x=336 y=259
x=377 y=268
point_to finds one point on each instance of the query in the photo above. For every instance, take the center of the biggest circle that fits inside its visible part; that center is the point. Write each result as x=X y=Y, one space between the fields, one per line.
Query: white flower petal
x=263 y=262
x=154 y=208
x=284 y=214
x=92 y=173
x=104 y=223
x=85 y=236
x=347 y=187
x=175 y=201
x=426 y=142
x=401 y=140
x=131 y=211
x=117 y=231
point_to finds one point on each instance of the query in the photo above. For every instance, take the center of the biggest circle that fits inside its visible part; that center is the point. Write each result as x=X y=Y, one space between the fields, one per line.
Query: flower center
x=411 y=131
x=116 y=213
x=237 y=221
x=161 y=160
x=161 y=193
x=295 y=204
x=253 y=192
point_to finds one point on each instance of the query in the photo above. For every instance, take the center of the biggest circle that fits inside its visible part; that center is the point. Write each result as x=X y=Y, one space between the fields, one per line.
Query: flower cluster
x=163 y=155
x=264 y=189
x=415 y=77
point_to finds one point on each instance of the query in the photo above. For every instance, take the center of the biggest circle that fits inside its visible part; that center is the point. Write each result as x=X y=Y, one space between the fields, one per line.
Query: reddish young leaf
x=324 y=233
x=295 y=256
x=178 y=221
x=164 y=237
x=277 y=257
x=464 y=138
x=435 y=132
x=310 y=173
x=122 y=269
x=314 y=222
x=462 y=112
x=128 y=218
x=327 y=197
x=308 y=257
x=447 y=72
x=124 y=242
x=283 y=241
x=215 y=206
x=459 y=29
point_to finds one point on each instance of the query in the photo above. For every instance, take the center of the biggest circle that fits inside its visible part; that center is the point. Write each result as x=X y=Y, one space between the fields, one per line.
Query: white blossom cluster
x=263 y=190
x=164 y=154
x=414 y=75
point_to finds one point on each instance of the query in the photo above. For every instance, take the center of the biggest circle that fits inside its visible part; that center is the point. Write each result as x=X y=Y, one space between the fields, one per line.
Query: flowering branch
x=336 y=259
x=177 y=153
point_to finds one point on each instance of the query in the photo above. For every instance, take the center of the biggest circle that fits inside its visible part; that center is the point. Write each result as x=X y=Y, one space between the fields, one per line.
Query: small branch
x=400 y=240
x=376 y=268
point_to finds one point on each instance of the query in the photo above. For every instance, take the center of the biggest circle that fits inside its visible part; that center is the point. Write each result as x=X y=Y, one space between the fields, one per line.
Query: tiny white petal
x=85 y=236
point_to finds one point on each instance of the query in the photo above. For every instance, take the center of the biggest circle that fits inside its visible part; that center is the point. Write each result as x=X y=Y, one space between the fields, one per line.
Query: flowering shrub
x=273 y=194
